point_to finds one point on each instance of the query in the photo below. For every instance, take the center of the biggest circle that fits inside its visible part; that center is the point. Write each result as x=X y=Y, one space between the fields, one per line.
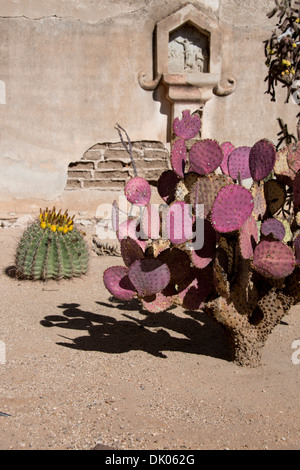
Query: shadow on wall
x=195 y=334
x=159 y=95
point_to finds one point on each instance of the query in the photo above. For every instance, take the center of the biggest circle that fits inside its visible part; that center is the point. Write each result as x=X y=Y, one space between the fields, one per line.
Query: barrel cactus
x=246 y=272
x=52 y=248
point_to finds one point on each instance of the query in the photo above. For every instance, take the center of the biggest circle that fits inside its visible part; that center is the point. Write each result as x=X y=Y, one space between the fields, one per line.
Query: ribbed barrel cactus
x=52 y=248
x=245 y=273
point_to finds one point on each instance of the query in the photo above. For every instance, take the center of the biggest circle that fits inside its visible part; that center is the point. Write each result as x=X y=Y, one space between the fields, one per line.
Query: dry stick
x=127 y=147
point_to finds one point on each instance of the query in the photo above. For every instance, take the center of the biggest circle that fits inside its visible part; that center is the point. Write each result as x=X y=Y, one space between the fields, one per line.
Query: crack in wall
x=13 y=17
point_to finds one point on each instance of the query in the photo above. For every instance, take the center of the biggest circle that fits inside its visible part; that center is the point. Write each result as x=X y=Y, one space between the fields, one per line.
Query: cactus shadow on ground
x=153 y=334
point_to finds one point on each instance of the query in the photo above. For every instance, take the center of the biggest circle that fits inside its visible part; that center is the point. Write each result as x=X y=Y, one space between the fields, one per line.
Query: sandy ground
x=81 y=369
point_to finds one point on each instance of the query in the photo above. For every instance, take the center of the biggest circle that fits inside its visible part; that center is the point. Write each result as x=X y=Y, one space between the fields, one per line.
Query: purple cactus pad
x=248 y=237
x=262 y=159
x=187 y=127
x=194 y=295
x=205 y=190
x=202 y=257
x=157 y=303
x=166 y=185
x=130 y=251
x=227 y=148
x=297 y=248
x=293 y=157
x=273 y=227
x=273 y=259
x=149 y=276
x=296 y=189
x=178 y=263
x=231 y=208
x=179 y=157
x=238 y=163
x=205 y=156
x=138 y=191
x=130 y=228
x=117 y=282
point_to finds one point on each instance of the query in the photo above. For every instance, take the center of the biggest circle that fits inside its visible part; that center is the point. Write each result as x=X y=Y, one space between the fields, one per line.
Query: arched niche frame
x=187 y=60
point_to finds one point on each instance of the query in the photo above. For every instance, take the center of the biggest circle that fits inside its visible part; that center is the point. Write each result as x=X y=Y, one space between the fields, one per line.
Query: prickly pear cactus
x=225 y=240
x=52 y=248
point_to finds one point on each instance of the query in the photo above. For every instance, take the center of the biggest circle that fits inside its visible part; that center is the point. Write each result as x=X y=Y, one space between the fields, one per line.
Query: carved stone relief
x=188 y=50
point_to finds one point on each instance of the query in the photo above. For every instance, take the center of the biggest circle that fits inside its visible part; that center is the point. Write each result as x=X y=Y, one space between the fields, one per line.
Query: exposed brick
x=152 y=175
x=73 y=184
x=119 y=155
x=115 y=145
x=116 y=175
x=155 y=154
x=148 y=145
x=80 y=174
x=153 y=164
x=103 y=184
x=81 y=165
x=111 y=165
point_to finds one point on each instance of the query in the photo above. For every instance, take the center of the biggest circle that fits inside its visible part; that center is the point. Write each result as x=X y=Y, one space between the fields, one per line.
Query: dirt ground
x=82 y=369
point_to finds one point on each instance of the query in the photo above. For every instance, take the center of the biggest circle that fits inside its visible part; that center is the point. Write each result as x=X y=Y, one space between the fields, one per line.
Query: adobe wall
x=70 y=68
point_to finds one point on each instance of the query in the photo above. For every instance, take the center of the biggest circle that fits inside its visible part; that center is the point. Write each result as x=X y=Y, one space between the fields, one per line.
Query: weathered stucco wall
x=70 y=72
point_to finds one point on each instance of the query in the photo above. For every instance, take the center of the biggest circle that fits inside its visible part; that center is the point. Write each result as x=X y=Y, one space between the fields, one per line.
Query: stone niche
x=188 y=60
x=188 y=50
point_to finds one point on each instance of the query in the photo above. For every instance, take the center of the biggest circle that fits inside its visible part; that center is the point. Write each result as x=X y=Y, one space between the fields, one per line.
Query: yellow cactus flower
x=43 y=225
x=65 y=230
x=70 y=228
x=60 y=229
x=53 y=228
